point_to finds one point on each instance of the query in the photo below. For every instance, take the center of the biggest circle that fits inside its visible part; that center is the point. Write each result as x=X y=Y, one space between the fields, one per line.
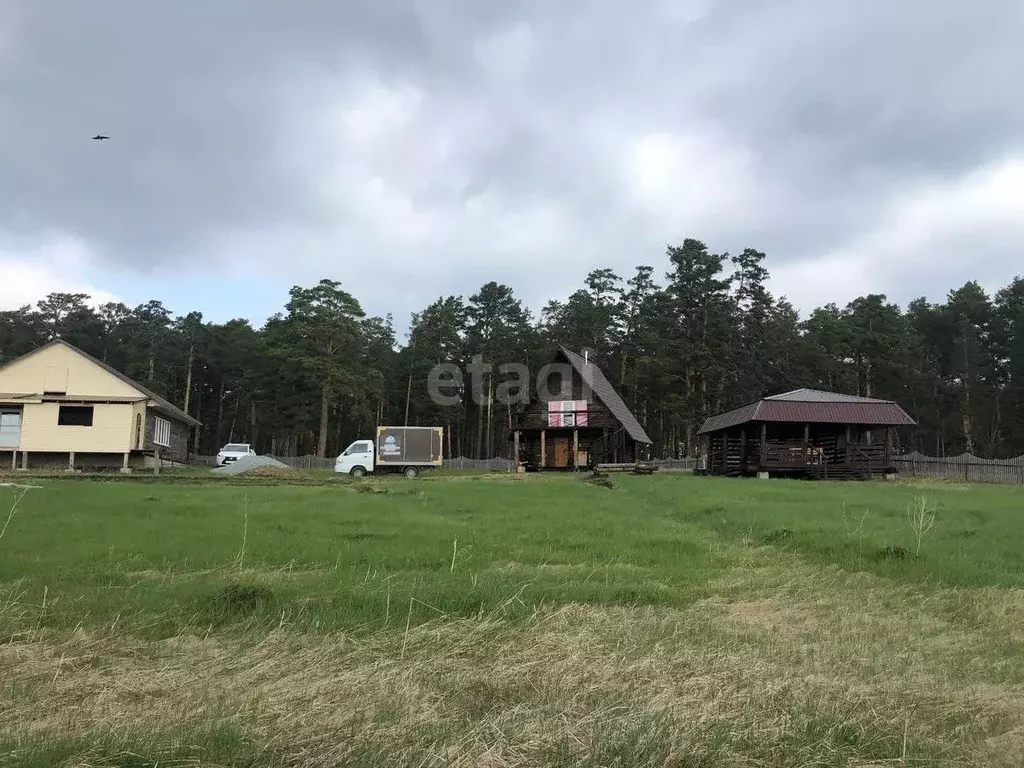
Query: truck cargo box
x=409 y=445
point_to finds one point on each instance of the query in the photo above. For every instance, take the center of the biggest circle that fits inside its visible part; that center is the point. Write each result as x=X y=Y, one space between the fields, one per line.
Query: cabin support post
x=846 y=458
x=543 y=449
x=24 y=460
x=725 y=453
x=14 y=459
x=515 y=452
x=743 y=450
x=575 y=448
x=764 y=443
x=156 y=462
x=124 y=463
x=888 y=450
x=71 y=461
x=807 y=443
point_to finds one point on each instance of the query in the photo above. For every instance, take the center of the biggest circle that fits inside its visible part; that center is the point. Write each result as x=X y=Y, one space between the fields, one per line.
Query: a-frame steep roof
x=159 y=403
x=595 y=379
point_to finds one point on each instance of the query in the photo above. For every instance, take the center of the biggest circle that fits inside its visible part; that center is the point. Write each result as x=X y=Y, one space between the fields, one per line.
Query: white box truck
x=408 y=450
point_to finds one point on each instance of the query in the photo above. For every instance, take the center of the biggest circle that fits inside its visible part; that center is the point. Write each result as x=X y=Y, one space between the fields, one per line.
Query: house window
x=75 y=416
x=162 y=432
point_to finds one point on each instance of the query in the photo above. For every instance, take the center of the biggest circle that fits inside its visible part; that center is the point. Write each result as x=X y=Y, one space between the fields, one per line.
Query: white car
x=232 y=452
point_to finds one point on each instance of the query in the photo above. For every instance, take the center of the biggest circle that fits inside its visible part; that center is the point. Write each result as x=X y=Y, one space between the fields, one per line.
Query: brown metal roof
x=159 y=403
x=820 y=396
x=812 y=406
x=599 y=384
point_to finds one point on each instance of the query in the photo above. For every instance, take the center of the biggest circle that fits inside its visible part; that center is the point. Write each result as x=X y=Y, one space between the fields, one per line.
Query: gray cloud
x=526 y=142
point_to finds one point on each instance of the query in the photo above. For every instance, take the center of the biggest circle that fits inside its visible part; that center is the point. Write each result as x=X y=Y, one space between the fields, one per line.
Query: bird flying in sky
x=100 y=137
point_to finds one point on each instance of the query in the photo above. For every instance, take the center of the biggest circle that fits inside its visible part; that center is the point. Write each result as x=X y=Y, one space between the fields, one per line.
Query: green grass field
x=494 y=620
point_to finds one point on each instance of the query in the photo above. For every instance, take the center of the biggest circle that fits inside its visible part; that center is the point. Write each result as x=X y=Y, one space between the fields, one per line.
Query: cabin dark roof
x=820 y=396
x=812 y=406
x=595 y=379
x=159 y=403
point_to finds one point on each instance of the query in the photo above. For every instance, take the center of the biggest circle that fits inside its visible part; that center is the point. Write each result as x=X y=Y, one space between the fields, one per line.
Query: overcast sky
x=414 y=148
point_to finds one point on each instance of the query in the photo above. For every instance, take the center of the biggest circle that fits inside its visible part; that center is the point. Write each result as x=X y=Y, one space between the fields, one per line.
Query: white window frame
x=162 y=432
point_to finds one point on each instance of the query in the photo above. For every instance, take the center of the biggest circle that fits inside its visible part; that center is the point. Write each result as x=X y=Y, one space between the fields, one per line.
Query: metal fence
x=967 y=468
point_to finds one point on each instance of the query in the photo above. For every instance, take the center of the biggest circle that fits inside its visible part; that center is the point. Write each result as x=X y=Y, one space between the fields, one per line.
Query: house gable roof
x=157 y=402
x=813 y=406
x=594 y=378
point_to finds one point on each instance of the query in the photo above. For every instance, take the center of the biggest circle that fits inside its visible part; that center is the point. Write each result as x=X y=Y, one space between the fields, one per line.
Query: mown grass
x=503 y=620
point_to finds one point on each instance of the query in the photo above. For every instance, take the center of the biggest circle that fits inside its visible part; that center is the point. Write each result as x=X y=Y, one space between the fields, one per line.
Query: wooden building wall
x=602 y=439
x=838 y=451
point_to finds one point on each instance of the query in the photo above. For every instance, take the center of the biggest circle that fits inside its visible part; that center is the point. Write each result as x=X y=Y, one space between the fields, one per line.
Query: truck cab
x=357 y=459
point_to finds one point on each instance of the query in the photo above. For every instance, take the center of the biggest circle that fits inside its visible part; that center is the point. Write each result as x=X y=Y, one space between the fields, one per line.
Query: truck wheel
x=411 y=472
x=358 y=472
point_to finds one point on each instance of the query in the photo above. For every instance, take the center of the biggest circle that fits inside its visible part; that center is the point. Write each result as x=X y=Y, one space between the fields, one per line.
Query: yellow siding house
x=62 y=407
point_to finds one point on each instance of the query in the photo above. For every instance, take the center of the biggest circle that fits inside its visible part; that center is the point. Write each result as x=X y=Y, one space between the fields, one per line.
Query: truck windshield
x=236 y=448
x=360 y=447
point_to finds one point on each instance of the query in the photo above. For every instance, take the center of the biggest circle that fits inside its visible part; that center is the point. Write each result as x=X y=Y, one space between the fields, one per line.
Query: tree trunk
x=197 y=432
x=234 y=417
x=479 y=431
x=408 y=388
x=188 y=377
x=252 y=422
x=220 y=414
x=995 y=438
x=325 y=404
x=408 y=396
x=490 y=396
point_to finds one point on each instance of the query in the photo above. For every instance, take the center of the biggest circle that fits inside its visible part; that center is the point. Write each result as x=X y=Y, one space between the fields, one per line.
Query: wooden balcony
x=570 y=420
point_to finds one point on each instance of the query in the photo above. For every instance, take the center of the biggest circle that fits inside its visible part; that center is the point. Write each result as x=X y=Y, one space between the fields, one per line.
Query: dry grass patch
x=773 y=616
x=766 y=682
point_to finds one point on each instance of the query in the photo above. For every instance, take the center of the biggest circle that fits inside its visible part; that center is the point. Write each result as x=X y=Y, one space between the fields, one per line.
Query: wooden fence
x=497 y=464
x=967 y=468
x=298 y=462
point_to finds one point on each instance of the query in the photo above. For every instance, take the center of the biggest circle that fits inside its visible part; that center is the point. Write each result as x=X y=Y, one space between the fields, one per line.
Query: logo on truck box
x=390 y=447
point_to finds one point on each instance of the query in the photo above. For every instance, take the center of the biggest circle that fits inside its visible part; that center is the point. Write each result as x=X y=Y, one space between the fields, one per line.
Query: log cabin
x=807 y=433
x=577 y=420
